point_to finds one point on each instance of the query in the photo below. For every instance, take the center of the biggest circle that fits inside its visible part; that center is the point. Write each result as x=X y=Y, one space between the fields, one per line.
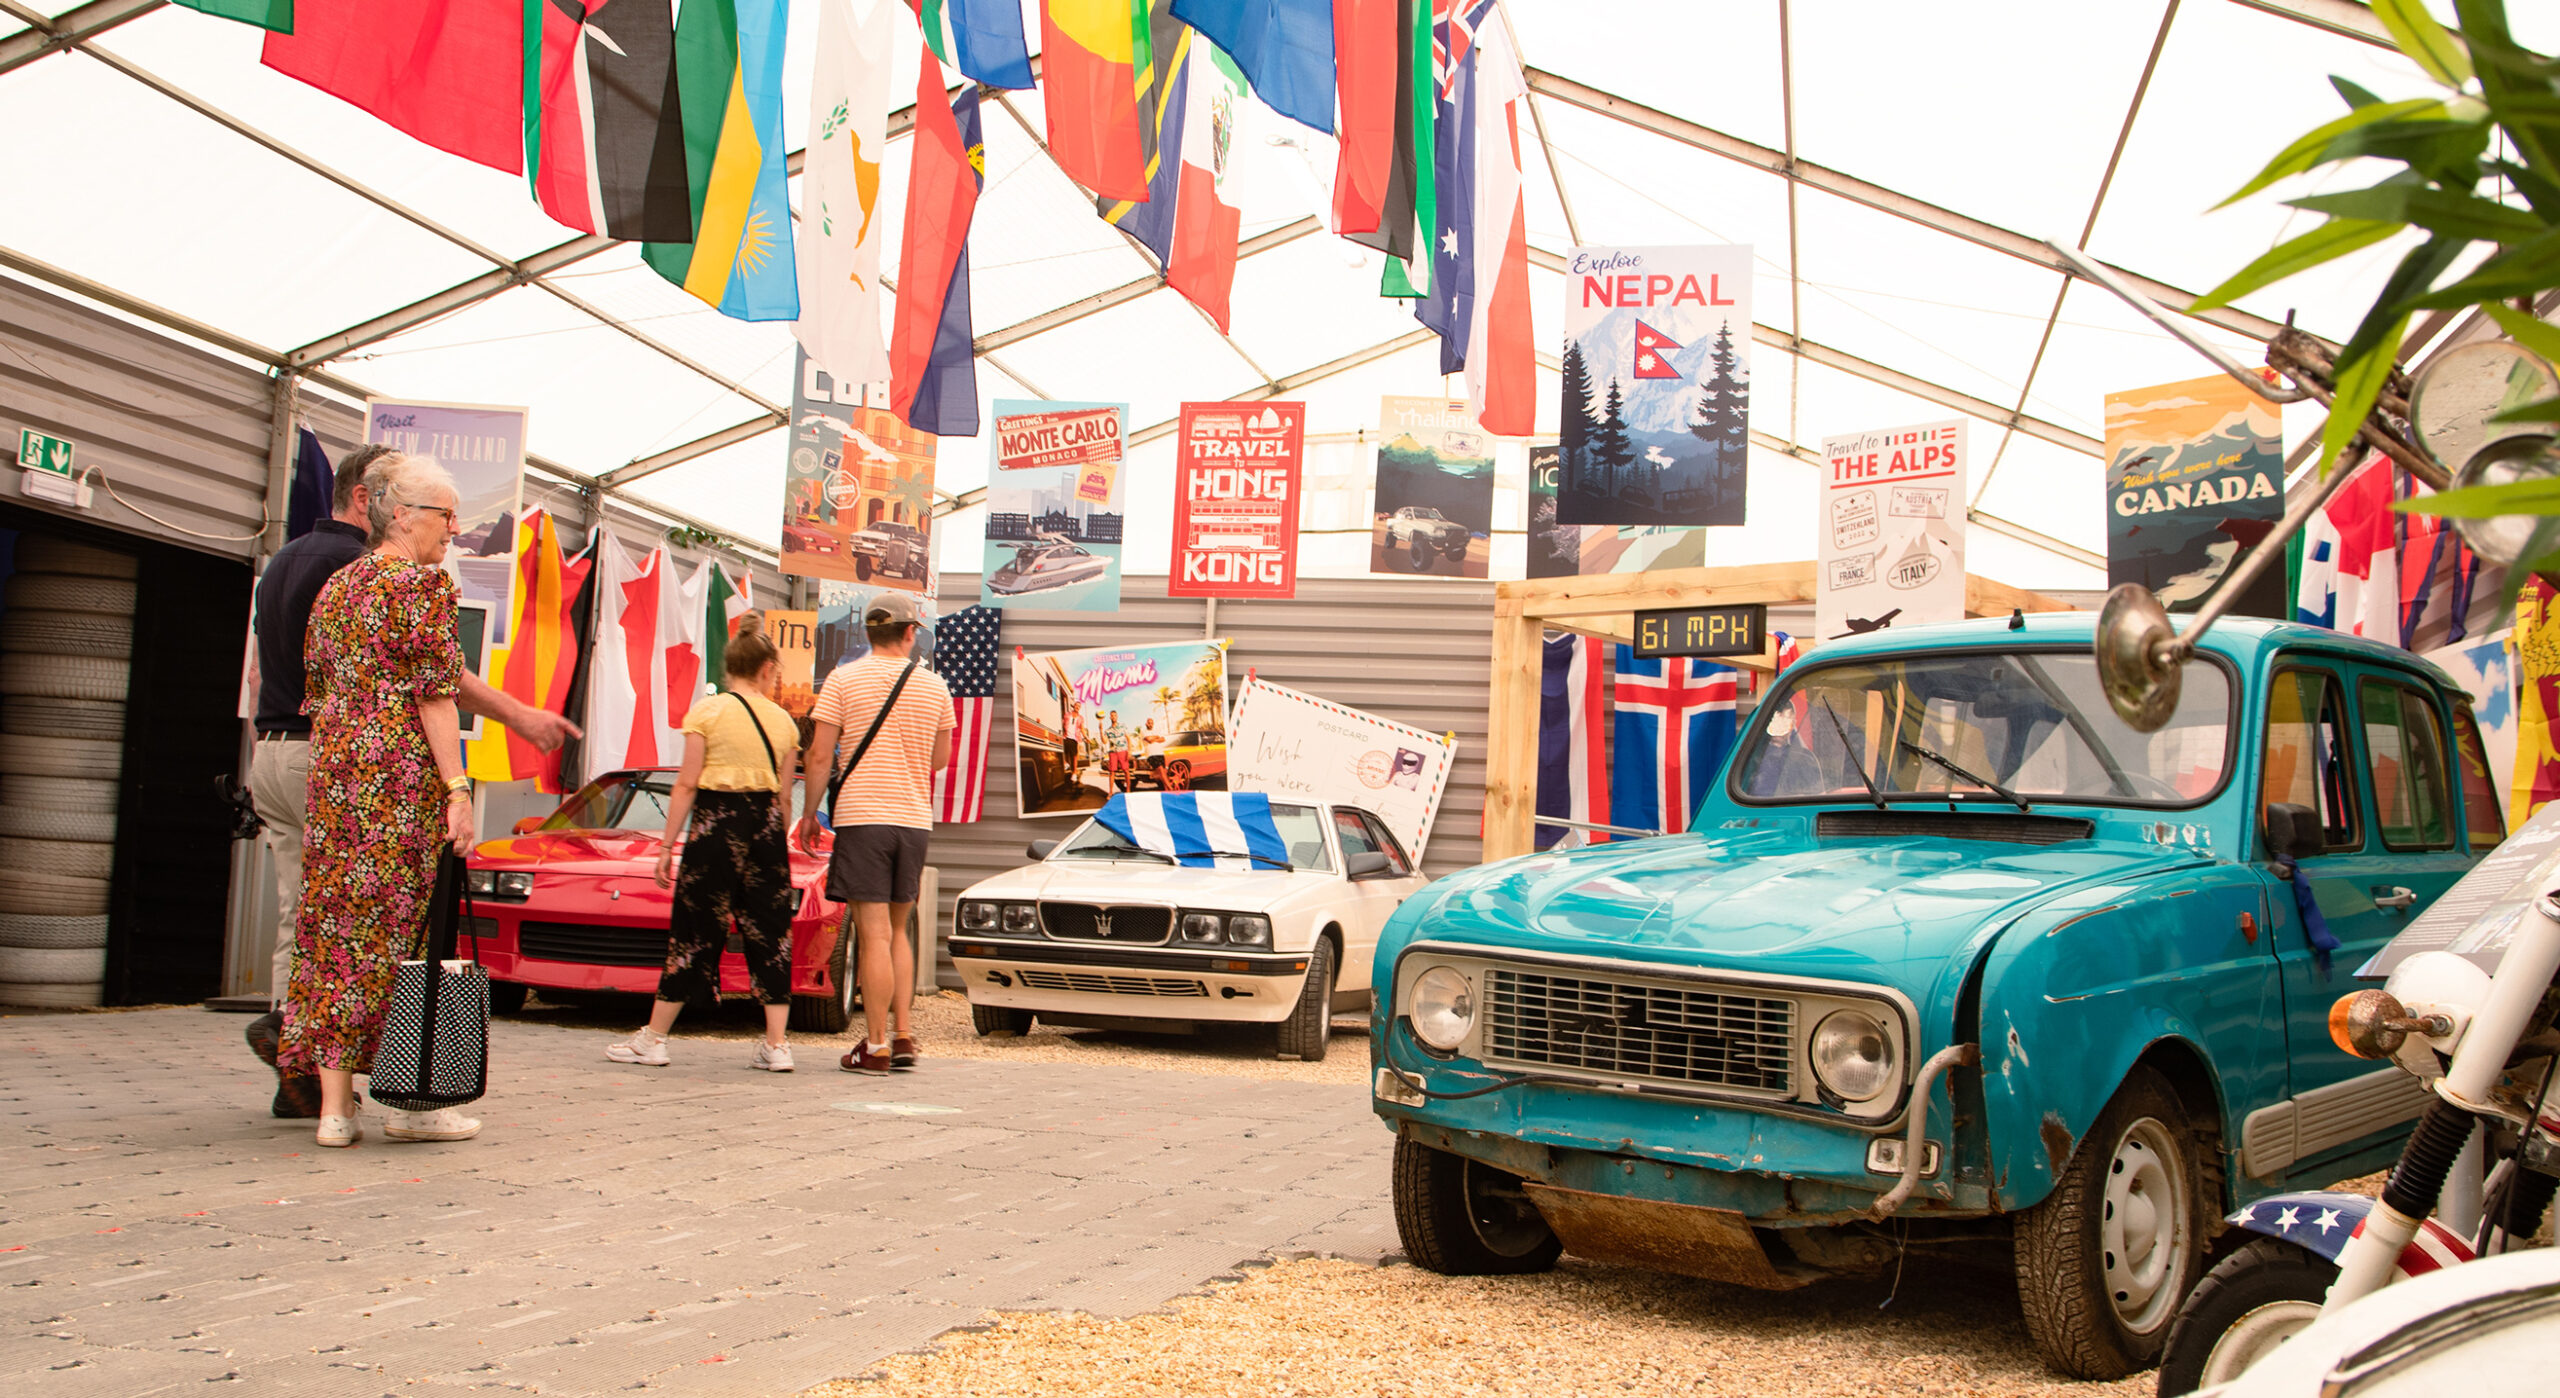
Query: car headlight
x=978 y=917
x=481 y=882
x=515 y=885
x=1248 y=930
x=1853 y=1056
x=1443 y=1008
x=1200 y=927
x=1022 y=918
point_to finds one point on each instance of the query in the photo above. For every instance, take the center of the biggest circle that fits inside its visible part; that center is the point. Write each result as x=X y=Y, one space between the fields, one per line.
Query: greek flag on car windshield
x=1199 y=830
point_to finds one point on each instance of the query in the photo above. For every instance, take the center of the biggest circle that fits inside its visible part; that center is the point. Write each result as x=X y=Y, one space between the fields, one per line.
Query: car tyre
x=1309 y=1028
x=2105 y=1259
x=830 y=1012
x=1461 y=1218
x=508 y=997
x=1421 y=556
x=1177 y=776
x=1000 y=1019
x=2252 y=1301
x=862 y=567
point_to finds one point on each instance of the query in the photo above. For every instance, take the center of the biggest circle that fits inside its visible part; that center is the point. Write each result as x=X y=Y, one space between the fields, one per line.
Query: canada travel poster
x=2195 y=480
x=857 y=497
x=1892 y=522
x=1089 y=723
x=483 y=447
x=1655 y=426
x=1433 y=510
x=1054 y=510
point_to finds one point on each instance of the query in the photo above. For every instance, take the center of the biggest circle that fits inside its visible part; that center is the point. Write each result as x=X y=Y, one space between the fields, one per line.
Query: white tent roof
x=1899 y=278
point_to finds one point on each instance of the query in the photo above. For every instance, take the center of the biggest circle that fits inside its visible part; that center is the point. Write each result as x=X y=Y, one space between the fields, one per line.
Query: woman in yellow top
x=740 y=754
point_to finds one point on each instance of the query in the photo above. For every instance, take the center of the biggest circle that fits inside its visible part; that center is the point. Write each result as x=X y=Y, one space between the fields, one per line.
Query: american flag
x=964 y=654
x=2324 y=1222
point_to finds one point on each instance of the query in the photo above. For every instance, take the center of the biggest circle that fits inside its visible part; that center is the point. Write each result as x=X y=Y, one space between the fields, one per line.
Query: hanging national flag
x=1205 y=225
x=449 y=72
x=1089 y=65
x=933 y=370
x=981 y=38
x=605 y=127
x=2537 y=641
x=1364 y=64
x=1789 y=652
x=724 y=600
x=1448 y=306
x=841 y=230
x=1676 y=721
x=542 y=648
x=647 y=669
x=729 y=77
x=964 y=654
x=1161 y=81
x=314 y=486
x=1412 y=215
x=1573 y=771
x=2315 y=598
x=1653 y=353
x=1284 y=47
x=266 y=14
x=1409 y=148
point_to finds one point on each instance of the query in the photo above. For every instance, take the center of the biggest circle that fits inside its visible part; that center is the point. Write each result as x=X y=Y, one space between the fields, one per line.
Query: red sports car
x=568 y=903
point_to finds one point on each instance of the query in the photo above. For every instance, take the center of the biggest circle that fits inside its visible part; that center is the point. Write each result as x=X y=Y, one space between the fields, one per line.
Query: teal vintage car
x=1951 y=958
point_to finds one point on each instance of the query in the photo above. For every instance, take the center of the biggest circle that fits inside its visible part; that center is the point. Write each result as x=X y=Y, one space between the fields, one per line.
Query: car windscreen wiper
x=1236 y=854
x=1961 y=774
x=1850 y=751
x=1123 y=852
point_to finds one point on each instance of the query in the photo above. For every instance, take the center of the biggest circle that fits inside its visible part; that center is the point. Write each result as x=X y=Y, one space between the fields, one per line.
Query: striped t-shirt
x=894 y=784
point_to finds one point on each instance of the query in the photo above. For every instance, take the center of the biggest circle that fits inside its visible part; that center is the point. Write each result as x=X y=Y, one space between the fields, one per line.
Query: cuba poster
x=1091 y=723
x=2195 y=480
x=1053 y=506
x=1655 y=427
x=1892 y=545
x=857 y=496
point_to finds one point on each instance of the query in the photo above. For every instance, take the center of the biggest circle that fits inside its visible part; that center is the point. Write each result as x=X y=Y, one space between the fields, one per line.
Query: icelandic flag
x=1199 y=829
x=2322 y=1222
x=1676 y=722
x=1573 y=770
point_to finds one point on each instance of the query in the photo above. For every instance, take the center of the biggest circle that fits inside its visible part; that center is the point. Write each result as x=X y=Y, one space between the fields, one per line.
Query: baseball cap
x=893 y=608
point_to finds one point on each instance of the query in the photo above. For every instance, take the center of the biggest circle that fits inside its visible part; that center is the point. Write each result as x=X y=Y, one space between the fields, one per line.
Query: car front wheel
x=2252 y=1301
x=1421 y=556
x=1309 y=1027
x=2105 y=1260
x=1464 y=1219
x=507 y=997
x=999 y=1019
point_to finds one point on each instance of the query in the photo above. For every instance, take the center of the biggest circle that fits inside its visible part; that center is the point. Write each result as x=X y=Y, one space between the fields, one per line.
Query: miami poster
x=1655 y=427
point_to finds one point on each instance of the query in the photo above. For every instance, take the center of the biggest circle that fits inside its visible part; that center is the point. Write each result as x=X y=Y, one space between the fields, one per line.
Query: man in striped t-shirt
x=883 y=817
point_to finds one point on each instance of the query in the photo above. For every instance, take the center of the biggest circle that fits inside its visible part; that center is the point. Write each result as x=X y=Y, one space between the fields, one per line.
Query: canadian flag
x=648 y=663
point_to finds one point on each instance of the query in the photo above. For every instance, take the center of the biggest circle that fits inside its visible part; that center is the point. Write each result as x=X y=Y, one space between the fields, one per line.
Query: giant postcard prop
x=1053 y=506
x=1434 y=506
x=483 y=447
x=1294 y=746
x=2195 y=480
x=1656 y=425
x=1892 y=546
x=1088 y=723
x=857 y=499
x=1235 y=500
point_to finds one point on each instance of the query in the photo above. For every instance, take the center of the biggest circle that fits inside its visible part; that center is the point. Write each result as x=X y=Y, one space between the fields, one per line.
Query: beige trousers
x=279 y=780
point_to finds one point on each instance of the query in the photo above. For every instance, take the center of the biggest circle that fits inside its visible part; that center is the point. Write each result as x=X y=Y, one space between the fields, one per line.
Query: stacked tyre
x=66 y=644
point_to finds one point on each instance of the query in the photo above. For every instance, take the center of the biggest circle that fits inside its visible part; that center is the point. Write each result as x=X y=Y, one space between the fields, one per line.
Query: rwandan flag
x=981 y=38
x=729 y=77
x=1091 y=55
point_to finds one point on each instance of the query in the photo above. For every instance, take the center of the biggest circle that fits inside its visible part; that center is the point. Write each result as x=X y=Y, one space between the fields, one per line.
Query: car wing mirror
x=528 y=825
x=1367 y=864
x=2293 y=832
x=1040 y=849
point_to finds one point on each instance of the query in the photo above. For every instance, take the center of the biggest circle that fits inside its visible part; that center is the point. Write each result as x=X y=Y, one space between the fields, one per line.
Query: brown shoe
x=297 y=1099
x=862 y=1060
x=903 y=1052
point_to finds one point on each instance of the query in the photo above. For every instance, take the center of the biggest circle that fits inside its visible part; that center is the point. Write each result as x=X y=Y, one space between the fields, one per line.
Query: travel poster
x=1054 y=489
x=1434 y=502
x=838 y=638
x=794 y=635
x=1298 y=747
x=2195 y=480
x=1891 y=551
x=1656 y=412
x=1235 y=501
x=857 y=501
x=1088 y=723
x=1570 y=550
x=483 y=447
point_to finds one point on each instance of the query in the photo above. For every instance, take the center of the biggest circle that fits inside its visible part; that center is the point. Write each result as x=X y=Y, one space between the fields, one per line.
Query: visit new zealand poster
x=1656 y=417
x=2195 y=479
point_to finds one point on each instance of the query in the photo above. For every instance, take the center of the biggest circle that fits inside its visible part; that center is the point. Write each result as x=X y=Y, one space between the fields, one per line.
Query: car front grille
x=1095 y=983
x=1126 y=926
x=592 y=944
x=1712 y=1038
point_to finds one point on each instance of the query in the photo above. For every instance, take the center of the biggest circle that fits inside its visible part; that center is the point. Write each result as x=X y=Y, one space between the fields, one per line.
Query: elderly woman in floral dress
x=387 y=792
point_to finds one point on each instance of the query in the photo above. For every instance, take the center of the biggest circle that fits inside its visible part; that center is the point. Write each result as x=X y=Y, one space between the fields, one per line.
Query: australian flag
x=1676 y=721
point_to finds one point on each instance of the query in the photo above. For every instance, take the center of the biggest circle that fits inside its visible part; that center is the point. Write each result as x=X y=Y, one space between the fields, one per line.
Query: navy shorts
x=876 y=864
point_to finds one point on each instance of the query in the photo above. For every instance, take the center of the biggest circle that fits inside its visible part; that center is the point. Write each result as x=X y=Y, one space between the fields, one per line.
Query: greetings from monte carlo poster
x=1655 y=426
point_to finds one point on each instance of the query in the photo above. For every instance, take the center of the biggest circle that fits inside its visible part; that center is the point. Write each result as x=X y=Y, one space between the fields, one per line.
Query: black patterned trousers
x=736 y=868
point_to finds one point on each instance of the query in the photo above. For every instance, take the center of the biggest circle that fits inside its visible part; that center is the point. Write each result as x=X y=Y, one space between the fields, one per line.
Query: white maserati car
x=1103 y=933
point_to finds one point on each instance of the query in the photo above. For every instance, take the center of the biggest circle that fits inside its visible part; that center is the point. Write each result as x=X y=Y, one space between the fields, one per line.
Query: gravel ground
x=1333 y=1327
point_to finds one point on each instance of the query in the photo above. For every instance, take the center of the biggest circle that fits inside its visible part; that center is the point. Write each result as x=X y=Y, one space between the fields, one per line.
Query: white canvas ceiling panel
x=1036 y=242
x=2052 y=490
x=1268 y=308
x=1990 y=554
x=2101 y=345
x=1632 y=188
x=1712 y=64
x=617 y=282
x=1154 y=354
x=1949 y=311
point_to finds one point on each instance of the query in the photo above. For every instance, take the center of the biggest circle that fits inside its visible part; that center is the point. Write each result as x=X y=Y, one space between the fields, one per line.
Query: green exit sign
x=38 y=452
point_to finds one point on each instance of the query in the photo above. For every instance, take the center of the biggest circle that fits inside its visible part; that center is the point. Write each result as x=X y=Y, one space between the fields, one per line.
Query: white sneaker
x=442 y=1124
x=773 y=1058
x=338 y=1132
x=644 y=1048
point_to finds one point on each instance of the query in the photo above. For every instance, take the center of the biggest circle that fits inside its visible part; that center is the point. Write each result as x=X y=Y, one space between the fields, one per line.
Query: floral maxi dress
x=382 y=641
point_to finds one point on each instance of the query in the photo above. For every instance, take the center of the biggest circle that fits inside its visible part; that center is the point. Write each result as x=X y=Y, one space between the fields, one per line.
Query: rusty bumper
x=1688 y=1239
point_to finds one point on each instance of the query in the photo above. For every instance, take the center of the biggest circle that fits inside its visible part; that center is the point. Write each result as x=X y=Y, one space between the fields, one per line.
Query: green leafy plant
x=2466 y=157
x=685 y=536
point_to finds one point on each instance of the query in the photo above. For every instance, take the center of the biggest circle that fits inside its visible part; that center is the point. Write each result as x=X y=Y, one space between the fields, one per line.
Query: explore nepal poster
x=1235 y=502
x=2195 y=479
x=1892 y=545
x=1656 y=415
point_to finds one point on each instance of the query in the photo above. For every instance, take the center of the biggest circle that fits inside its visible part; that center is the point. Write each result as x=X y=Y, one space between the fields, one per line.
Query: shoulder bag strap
x=756 y=721
x=864 y=746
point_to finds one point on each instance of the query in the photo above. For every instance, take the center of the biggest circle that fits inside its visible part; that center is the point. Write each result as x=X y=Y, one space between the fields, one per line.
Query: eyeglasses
x=445 y=510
